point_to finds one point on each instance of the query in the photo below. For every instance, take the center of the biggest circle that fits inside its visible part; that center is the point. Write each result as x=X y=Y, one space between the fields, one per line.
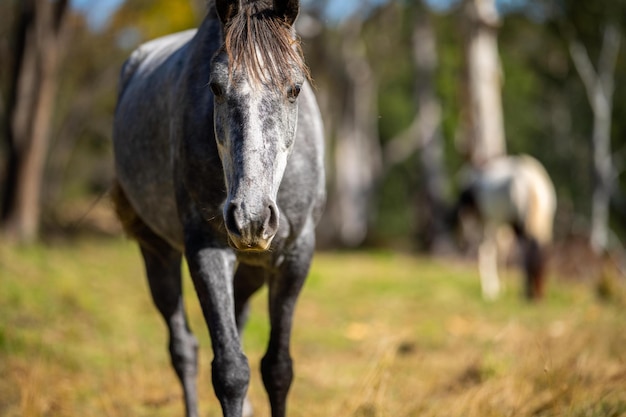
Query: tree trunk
x=357 y=152
x=600 y=87
x=30 y=110
x=484 y=125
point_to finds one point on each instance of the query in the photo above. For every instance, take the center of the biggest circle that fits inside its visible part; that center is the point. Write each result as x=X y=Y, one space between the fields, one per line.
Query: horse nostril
x=230 y=218
x=271 y=220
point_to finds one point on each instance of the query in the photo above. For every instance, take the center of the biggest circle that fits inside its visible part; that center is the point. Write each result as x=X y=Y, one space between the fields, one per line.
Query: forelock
x=263 y=45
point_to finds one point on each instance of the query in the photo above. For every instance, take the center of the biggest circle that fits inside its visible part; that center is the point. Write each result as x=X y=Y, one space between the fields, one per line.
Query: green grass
x=376 y=334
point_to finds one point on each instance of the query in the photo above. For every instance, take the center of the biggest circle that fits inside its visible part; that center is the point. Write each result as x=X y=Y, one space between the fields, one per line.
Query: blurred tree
x=357 y=154
x=436 y=182
x=57 y=103
x=79 y=164
x=347 y=91
x=38 y=41
x=594 y=30
x=599 y=85
x=484 y=124
x=424 y=134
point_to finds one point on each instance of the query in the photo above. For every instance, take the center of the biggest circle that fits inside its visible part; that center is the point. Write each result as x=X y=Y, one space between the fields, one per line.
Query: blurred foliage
x=546 y=111
x=150 y=19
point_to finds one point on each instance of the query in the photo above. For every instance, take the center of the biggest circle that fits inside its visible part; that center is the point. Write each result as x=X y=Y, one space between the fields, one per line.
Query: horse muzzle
x=250 y=229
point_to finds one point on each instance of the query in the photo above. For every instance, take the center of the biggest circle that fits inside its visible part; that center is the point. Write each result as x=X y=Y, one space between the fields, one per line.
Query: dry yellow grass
x=377 y=335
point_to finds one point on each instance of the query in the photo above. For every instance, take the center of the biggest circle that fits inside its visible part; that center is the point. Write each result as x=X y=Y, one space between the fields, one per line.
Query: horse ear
x=287 y=9
x=226 y=9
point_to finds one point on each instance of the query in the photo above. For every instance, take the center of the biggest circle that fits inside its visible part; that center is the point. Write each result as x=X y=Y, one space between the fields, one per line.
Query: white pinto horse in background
x=513 y=191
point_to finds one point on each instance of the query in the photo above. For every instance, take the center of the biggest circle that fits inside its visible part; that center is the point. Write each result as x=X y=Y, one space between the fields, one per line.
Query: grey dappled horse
x=218 y=148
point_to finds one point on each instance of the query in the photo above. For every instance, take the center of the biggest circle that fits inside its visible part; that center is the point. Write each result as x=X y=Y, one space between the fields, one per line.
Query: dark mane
x=263 y=44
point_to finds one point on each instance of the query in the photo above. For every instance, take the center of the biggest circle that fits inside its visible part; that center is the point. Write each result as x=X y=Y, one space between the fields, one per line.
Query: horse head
x=256 y=77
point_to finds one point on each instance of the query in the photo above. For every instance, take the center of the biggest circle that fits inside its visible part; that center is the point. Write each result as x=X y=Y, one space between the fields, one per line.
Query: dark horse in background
x=218 y=145
x=514 y=191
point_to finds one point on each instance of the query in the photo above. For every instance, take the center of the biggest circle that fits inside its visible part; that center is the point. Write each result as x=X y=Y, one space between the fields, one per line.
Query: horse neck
x=209 y=36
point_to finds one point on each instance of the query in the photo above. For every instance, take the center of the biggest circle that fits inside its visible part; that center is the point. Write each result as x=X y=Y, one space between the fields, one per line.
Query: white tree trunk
x=599 y=86
x=357 y=151
x=484 y=132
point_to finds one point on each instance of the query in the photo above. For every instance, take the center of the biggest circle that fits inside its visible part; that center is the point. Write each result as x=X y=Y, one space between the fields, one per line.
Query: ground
x=377 y=333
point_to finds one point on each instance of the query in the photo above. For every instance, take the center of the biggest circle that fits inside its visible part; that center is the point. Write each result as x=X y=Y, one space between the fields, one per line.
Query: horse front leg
x=163 y=265
x=212 y=273
x=248 y=280
x=488 y=266
x=284 y=288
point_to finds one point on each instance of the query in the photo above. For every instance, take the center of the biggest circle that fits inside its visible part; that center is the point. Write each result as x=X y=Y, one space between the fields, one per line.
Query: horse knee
x=231 y=375
x=277 y=373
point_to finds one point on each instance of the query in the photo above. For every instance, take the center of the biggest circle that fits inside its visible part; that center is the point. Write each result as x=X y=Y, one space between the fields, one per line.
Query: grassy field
x=377 y=334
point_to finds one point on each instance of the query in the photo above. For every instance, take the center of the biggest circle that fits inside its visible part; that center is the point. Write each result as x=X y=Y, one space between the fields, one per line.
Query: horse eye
x=216 y=89
x=293 y=92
